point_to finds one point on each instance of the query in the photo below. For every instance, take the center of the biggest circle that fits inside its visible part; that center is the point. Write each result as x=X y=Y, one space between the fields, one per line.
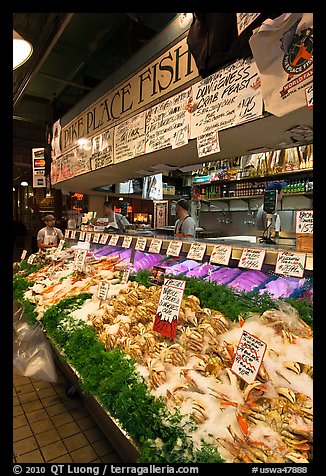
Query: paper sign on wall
x=155 y=246
x=140 y=244
x=304 y=221
x=208 y=144
x=166 y=317
x=290 y=264
x=126 y=241
x=196 y=251
x=174 y=248
x=221 y=254
x=252 y=258
x=114 y=240
x=248 y=358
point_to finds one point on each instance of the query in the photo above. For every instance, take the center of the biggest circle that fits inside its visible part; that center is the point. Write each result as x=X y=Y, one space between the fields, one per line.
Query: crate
x=304 y=242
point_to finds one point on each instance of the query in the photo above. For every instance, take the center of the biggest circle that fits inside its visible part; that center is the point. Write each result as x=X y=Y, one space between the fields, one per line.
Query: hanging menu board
x=304 y=222
x=226 y=98
x=252 y=258
x=129 y=138
x=68 y=162
x=221 y=254
x=166 y=317
x=290 y=264
x=83 y=158
x=249 y=356
x=55 y=173
x=208 y=144
x=102 y=150
x=167 y=123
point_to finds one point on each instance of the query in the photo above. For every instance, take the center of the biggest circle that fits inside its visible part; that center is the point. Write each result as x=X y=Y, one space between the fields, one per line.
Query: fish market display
x=286 y=287
x=249 y=280
x=224 y=275
x=202 y=270
x=180 y=268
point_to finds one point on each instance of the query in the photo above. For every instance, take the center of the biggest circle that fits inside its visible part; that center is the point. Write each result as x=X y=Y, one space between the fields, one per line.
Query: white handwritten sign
x=226 y=98
x=67 y=233
x=252 y=258
x=309 y=92
x=125 y=275
x=168 y=308
x=96 y=237
x=23 y=255
x=60 y=245
x=196 y=251
x=140 y=244
x=221 y=254
x=208 y=144
x=129 y=138
x=155 y=246
x=114 y=240
x=73 y=234
x=88 y=236
x=103 y=289
x=102 y=150
x=174 y=248
x=304 y=222
x=126 y=241
x=31 y=258
x=167 y=123
x=244 y=20
x=80 y=259
x=290 y=264
x=248 y=358
x=82 y=236
x=104 y=238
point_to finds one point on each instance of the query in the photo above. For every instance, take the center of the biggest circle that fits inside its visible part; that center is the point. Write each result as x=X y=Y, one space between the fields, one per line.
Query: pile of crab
x=267 y=421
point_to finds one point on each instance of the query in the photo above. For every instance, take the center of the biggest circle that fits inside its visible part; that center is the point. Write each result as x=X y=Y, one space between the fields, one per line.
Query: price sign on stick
x=167 y=313
x=114 y=240
x=155 y=246
x=126 y=241
x=80 y=259
x=60 y=245
x=196 y=251
x=67 y=233
x=104 y=238
x=304 y=222
x=125 y=275
x=102 y=291
x=252 y=258
x=140 y=244
x=96 y=237
x=174 y=248
x=248 y=358
x=221 y=254
x=31 y=259
x=23 y=256
x=290 y=264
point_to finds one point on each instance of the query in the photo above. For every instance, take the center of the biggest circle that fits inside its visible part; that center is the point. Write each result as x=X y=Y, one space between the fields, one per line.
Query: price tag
x=73 y=234
x=196 y=251
x=252 y=258
x=304 y=222
x=31 y=259
x=167 y=313
x=248 y=357
x=79 y=260
x=114 y=240
x=221 y=254
x=140 y=244
x=155 y=246
x=290 y=264
x=88 y=236
x=60 y=245
x=126 y=241
x=96 y=237
x=104 y=238
x=103 y=289
x=125 y=273
x=309 y=92
x=174 y=248
x=23 y=255
x=67 y=233
x=82 y=236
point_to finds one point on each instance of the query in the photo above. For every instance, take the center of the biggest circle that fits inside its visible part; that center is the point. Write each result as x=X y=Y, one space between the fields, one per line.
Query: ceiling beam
x=65 y=81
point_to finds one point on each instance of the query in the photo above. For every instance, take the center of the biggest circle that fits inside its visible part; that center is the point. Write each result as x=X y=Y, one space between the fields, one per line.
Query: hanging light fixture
x=22 y=50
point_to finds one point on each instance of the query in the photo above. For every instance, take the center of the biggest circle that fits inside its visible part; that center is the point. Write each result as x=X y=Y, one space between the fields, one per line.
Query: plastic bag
x=33 y=355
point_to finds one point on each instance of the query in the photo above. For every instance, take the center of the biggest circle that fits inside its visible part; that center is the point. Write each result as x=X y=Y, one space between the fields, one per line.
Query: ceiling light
x=13 y=189
x=24 y=184
x=22 y=50
x=121 y=199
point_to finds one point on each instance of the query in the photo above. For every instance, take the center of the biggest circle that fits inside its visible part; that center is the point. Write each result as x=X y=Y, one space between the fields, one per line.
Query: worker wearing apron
x=49 y=236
